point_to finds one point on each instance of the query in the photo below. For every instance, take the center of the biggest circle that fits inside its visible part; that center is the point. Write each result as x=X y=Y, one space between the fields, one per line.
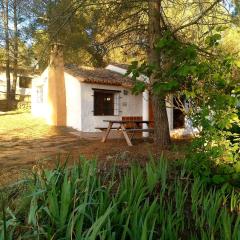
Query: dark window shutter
x=103 y=103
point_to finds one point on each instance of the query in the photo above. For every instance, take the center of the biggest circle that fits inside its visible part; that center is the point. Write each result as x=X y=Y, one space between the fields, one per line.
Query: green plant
x=209 y=81
x=151 y=202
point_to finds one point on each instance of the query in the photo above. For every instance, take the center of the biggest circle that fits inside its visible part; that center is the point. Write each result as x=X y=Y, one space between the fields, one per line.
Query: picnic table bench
x=137 y=128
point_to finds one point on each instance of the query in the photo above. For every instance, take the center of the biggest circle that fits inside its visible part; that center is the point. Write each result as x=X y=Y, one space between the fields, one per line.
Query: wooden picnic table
x=124 y=130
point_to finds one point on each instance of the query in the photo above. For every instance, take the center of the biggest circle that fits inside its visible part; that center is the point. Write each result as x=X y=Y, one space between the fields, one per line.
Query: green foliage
x=139 y=87
x=153 y=202
x=209 y=81
x=214 y=111
x=213 y=40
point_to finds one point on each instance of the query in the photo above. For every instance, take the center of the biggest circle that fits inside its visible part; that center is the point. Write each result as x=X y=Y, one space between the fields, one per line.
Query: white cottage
x=82 y=97
x=92 y=95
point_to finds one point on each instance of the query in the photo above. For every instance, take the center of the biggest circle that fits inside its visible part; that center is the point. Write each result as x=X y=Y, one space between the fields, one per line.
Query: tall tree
x=15 y=48
x=161 y=127
x=182 y=19
x=5 y=17
x=74 y=23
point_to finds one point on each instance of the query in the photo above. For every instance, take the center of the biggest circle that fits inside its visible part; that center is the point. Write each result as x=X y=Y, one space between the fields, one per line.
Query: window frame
x=108 y=93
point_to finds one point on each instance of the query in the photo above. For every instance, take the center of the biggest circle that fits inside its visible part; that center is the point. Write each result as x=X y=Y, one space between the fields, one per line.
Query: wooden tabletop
x=127 y=121
x=124 y=130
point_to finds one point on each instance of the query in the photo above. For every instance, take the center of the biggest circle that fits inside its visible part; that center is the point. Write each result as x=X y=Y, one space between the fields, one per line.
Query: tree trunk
x=15 y=50
x=161 y=127
x=7 y=50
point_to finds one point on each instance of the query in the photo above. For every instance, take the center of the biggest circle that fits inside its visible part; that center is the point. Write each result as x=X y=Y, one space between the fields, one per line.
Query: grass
x=152 y=202
x=22 y=125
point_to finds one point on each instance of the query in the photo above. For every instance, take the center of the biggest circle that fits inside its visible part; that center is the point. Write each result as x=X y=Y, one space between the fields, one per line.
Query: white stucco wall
x=39 y=109
x=73 y=101
x=130 y=105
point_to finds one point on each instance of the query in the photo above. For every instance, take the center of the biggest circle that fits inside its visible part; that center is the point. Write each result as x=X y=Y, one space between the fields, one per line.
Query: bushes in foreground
x=153 y=202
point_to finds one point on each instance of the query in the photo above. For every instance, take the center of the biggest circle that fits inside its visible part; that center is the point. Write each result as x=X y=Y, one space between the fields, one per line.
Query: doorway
x=178 y=115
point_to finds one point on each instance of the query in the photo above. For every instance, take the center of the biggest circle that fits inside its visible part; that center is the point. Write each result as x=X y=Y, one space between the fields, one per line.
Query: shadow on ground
x=19 y=155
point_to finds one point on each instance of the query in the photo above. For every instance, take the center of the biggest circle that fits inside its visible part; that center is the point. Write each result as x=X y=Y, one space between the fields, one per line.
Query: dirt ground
x=26 y=142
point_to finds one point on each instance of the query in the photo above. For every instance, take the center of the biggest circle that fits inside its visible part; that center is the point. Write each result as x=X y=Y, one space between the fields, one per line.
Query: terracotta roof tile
x=98 y=75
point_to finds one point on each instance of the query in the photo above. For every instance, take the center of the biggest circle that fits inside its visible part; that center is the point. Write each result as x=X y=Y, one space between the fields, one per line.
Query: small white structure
x=94 y=95
x=23 y=86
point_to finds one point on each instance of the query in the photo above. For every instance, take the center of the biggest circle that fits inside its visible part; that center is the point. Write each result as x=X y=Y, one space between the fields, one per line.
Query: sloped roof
x=98 y=75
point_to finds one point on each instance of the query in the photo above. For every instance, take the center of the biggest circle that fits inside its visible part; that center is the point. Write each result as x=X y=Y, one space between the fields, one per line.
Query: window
x=39 y=94
x=106 y=102
x=103 y=103
x=25 y=82
x=178 y=115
